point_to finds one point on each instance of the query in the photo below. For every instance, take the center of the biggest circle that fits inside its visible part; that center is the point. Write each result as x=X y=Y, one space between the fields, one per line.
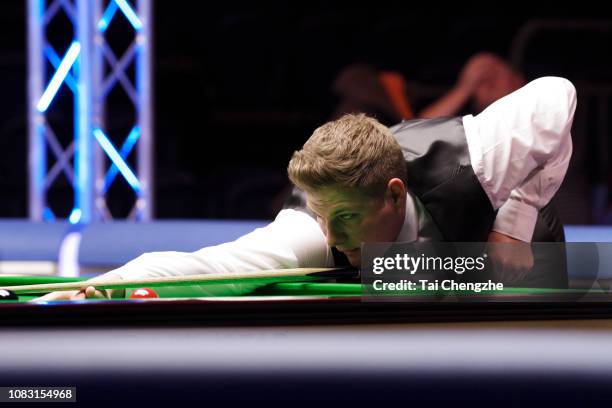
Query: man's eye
x=347 y=217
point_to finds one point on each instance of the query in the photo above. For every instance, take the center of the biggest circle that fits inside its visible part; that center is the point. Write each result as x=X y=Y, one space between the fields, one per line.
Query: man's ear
x=396 y=190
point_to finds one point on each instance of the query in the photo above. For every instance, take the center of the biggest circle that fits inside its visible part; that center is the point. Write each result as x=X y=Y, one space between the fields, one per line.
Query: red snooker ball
x=143 y=293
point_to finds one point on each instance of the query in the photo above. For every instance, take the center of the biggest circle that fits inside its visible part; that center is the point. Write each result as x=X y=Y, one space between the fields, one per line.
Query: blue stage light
x=112 y=153
x=126 y=148
x=52 y=57
x=75 y=216
x=55 y=60
x=48 y=214
x=58 y=77
x=129 y=14
x=107 y=17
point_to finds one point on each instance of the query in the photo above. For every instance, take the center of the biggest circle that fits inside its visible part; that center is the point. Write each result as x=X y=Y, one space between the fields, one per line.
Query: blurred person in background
x=362 y=88
x=484 y=79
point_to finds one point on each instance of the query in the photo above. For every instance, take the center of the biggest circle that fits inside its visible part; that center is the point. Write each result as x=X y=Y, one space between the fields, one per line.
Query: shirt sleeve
x=292 y=240
x=520 y=148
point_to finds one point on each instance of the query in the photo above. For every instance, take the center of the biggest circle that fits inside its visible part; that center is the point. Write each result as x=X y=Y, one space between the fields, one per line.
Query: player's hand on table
x=90 y=292
x=511 y=258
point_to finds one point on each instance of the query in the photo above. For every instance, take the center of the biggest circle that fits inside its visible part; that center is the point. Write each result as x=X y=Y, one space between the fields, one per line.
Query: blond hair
x=355 y=151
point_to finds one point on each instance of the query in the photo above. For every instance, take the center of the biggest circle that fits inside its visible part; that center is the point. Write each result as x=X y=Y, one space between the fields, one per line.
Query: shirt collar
x=409 y=231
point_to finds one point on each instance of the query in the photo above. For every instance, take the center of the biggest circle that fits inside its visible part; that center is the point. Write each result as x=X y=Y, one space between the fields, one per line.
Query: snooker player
x=488 y=177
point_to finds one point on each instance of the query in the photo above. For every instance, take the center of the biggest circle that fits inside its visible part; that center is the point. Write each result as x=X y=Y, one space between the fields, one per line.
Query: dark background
x=238 y=90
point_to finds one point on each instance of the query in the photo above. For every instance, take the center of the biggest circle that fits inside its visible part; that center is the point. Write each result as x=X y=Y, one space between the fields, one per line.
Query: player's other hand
x=512 y=259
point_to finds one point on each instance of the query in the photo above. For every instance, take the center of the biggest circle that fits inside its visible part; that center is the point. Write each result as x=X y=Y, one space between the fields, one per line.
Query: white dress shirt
x=520 y=148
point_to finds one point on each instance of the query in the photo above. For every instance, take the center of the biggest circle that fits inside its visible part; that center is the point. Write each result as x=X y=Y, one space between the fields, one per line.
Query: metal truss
x=91 y=162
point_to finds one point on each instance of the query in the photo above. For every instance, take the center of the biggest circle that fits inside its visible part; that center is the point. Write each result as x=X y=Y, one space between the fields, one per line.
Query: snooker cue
x=275 y=275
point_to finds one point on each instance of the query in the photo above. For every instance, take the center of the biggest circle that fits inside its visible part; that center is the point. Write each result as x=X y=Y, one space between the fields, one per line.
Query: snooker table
x=302 y=343
x=318 y=301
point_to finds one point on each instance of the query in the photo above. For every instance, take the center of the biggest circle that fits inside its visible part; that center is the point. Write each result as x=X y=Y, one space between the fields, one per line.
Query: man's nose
x=335 y=236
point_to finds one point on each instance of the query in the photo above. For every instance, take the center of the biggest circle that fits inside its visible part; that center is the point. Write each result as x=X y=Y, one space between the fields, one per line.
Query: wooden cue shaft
x=284 y=274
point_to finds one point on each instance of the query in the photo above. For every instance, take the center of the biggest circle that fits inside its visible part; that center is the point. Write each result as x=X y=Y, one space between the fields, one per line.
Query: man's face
x=349 y=218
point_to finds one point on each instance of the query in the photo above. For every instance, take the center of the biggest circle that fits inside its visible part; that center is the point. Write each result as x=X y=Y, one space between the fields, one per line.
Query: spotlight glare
x=58 y=77
x=129 y=14
x=112 y=153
